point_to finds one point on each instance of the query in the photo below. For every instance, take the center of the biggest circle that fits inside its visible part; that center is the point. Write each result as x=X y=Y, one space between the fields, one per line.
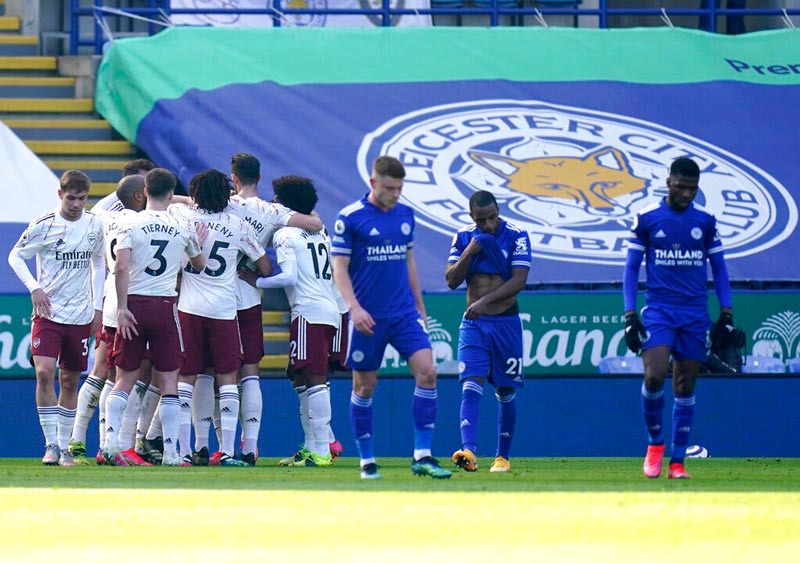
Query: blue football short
x=684 y=330
x=491 y=347
x=406 y=333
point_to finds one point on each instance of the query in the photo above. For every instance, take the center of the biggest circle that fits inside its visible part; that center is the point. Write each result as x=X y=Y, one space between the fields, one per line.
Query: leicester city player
x=374 y=269
x=677 y=240
x=494 y=258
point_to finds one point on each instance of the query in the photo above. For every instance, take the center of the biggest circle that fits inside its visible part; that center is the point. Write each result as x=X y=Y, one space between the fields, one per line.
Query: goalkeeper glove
x=634 y=333
x=722 y=330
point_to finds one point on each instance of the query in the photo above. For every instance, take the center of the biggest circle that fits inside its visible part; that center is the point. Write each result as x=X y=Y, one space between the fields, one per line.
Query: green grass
x=573 y=509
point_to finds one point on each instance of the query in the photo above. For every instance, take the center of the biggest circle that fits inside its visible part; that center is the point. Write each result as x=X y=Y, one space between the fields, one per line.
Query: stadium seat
x=621 y=364
x=794 y=365
x=763 y=364
x=560 y=4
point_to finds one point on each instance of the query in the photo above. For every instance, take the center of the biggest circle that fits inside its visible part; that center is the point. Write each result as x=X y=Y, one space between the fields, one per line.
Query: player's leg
x=226 y=356
x=338 y=362
x=88 y=399
x=507 y=375
x=300 y=388
x=473 y=355
x=364 y=356
x=149 y=406
x=252 y=336
x=656 y=350
x=73 y=361
x=202 y=415
x=689 y=353
x=45 y=348
x=409 y=337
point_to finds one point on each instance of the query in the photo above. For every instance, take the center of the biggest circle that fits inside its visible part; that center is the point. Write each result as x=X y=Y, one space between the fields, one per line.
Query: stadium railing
x=157 y=14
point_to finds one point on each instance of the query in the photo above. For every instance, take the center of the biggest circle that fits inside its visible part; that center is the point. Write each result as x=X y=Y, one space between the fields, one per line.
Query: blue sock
x=506 y=419
x=471 y=393
x=361 y=423
x=424 y=413
x=682 y=418
x=653 y=409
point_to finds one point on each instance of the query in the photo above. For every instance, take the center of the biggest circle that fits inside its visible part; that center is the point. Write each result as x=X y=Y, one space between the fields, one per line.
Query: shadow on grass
x=535 y=475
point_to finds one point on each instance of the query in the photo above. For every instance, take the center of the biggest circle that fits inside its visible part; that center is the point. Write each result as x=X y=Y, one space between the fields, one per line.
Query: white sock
x=149 y=406
x=115 y=406
x=308 y=432
x=229 y=416
x=127 y=432
x=65 y=420
x=331 y=435
x=155 y=430
x=185 y=392
x=101 y=407
x=202 y=410
x=48 y=420
x=217 y=420
x=319 y=414
x=169 y=412
x=251 y=407
x=88 y=398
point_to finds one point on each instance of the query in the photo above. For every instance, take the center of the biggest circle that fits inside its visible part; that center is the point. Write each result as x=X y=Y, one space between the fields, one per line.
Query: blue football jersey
x=508 y=248
x=376 y=242
x=677 y=246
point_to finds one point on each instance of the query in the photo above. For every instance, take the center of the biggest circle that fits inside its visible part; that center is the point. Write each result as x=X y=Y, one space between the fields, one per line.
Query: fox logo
x=595 y=182
x=573 y=177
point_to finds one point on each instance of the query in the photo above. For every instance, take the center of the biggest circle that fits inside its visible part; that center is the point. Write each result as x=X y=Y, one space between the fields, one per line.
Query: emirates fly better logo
x=574 y=178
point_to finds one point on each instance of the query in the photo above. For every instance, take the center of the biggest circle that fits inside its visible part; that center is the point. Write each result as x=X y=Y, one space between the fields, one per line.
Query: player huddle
x=181 y=333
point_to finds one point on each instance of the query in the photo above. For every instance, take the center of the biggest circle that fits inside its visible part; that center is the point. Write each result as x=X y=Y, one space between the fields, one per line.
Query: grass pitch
x=574 y=509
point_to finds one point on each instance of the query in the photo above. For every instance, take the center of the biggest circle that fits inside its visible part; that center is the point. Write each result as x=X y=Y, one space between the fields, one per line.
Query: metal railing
x=157 y=14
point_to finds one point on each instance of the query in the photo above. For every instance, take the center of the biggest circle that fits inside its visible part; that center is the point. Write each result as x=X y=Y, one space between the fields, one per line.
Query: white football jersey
x=64 y=251
x=264 y=218
x=158 y=241
x=109 y=203
x=312 y=297
x=212 y=292
x=112 y=223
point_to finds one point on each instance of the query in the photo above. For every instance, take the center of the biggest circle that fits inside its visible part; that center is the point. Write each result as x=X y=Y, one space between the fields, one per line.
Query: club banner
x=564 y=334
x=275 y=9
x=572 y=129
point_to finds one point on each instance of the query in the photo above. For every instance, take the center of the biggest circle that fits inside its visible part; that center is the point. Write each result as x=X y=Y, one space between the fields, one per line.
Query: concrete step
x=100 y=190
x=37 y=87
x=86 y=148
x=28 y=63
x=99 y=170
x=19 y=45
x=275 y=318
x=61 y=129
x=276 y=336
x=9 y=23
x=273 y=362
x=45 y=105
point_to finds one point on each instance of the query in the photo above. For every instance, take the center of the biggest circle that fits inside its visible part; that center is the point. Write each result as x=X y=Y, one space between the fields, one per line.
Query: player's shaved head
x=128 y=187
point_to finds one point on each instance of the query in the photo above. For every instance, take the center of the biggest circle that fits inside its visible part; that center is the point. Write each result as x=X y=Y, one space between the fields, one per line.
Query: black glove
x=722 y=330
x=634 y=332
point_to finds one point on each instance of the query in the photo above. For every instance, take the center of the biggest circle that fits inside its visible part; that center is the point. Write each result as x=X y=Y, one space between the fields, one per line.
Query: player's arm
x=361 y=319
x=413 y=281
x=287 y=259
x=460 y=261
x=126 y=322
x=27 y=247
x=98 y=280
x=509 y=288
x=311 y=223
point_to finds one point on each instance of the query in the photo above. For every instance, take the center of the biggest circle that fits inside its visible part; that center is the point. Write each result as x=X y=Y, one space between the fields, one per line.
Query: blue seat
x=794 y=365
x=621 y=364
x=763 y=364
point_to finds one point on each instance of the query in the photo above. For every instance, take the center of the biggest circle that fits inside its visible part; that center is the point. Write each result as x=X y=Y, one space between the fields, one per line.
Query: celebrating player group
x=170 y=286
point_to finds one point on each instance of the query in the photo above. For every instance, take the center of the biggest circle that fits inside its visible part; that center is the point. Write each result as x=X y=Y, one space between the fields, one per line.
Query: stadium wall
x=561 y=417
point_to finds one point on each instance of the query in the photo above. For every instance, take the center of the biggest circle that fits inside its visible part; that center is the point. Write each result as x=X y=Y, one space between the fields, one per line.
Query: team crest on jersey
x=574 y=178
